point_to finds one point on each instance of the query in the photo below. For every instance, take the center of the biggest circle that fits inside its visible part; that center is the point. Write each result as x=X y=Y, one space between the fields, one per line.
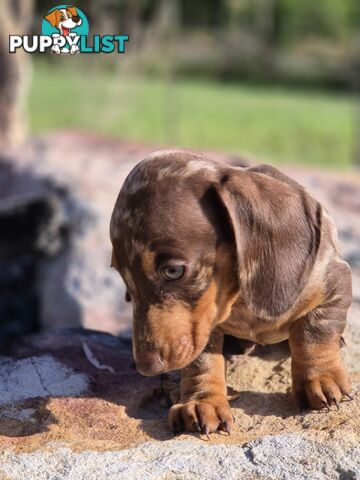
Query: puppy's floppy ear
x=276 y=228
x=72 y=10
x=52 y=17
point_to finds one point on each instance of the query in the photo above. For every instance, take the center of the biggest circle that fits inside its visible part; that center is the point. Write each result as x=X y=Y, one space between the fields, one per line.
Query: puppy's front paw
x=318 y=389
x=74 y=49
x=56 y=49
x=204 y=416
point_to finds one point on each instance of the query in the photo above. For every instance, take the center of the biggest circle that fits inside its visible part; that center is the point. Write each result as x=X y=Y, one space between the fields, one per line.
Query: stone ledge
x=57 y=408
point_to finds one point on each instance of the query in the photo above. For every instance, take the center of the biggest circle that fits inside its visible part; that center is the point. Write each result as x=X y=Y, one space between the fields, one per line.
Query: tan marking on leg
x=311 y=301
x=203 y=404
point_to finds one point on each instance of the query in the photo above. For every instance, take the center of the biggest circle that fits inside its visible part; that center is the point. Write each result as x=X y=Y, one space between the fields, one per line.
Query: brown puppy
x=207 y=250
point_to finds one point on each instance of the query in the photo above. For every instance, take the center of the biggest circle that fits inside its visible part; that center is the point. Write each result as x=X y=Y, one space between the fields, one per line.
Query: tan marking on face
x=134 y=248
x=203 y=275
x=148 y=262
x=178 y=331
x=169 y=328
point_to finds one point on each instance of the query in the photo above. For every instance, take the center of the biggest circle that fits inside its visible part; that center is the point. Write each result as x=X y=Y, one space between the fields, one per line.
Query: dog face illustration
x=64 y=19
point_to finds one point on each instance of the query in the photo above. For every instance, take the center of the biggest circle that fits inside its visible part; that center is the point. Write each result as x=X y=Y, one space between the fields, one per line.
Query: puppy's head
x=182 y=232
x=64 y=18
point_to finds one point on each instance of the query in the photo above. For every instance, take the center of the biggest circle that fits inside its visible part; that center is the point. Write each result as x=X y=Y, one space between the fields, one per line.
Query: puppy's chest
x=242 y=323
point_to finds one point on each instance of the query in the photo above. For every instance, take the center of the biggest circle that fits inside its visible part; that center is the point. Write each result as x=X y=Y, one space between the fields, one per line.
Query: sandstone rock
x=285 y=457
x=33 y=230
x=37 y=377
x=61 y=417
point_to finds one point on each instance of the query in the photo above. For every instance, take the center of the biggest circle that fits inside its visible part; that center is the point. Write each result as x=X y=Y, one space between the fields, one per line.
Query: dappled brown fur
x=206 y=250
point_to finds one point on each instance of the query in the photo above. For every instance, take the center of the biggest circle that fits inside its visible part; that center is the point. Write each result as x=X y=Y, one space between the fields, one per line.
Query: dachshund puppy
x=207 y=250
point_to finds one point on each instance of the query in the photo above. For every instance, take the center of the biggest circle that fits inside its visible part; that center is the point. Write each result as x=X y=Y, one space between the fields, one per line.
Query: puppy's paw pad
x=203 y=416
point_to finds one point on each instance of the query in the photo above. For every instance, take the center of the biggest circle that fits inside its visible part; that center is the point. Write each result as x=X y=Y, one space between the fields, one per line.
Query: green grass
x=271 y=124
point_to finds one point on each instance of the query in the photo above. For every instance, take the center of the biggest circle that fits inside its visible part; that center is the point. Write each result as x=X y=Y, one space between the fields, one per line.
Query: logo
x=65 y=31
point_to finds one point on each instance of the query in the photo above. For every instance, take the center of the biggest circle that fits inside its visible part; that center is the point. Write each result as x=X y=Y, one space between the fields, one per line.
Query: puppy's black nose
x=76 y=19
x=149 y=364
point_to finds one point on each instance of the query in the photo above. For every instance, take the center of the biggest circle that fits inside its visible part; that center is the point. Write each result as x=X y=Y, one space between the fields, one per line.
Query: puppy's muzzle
x=149 y=364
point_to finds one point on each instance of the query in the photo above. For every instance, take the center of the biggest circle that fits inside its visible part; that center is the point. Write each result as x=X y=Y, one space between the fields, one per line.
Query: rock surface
x=283 y=457
x=33 y=230
x=63 y=418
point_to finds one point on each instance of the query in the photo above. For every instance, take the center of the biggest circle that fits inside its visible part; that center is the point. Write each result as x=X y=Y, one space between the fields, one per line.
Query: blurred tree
x=15 y=18
x=131 y=17
x=291 y=20
x=323 y=18
x=203 y=13
x=298 y=42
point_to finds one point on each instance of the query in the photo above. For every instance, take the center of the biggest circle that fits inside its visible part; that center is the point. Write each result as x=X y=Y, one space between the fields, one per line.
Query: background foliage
x=273 y=78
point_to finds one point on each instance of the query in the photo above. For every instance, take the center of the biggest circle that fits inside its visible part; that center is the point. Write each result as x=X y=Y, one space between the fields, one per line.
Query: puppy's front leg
x=203 y=405
x=318 y=375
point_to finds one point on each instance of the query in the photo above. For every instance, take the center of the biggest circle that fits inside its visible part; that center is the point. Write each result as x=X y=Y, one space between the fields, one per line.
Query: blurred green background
x=273 y=79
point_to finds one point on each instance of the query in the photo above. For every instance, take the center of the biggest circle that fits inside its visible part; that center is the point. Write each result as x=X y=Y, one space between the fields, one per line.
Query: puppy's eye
x=69 y=14
x=173 y=272
x=62 y=17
